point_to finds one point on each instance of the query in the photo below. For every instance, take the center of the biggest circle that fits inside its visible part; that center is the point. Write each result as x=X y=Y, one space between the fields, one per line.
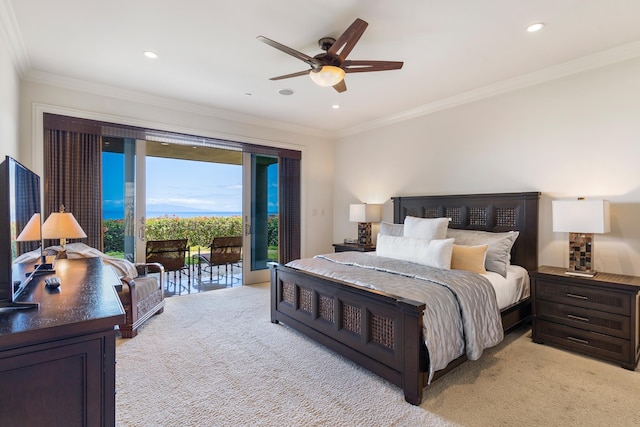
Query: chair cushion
x=145 y=286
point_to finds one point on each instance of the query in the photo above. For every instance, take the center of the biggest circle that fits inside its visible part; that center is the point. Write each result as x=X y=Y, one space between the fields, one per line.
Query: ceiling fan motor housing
x=325 y=43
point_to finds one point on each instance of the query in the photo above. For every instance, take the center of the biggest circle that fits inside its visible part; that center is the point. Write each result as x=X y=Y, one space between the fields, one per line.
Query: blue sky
x=180 y=185
x=197 y=186
x=177 y=185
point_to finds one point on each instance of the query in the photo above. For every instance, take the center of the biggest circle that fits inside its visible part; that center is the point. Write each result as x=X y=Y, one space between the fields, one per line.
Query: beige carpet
x=214 y=359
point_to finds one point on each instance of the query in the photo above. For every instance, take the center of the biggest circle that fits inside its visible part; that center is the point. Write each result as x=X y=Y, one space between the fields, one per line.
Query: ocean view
x=150 y=214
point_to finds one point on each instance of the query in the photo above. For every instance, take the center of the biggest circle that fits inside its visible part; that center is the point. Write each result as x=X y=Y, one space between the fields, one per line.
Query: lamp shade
x=62 y=225
x=327 y=76
x=31 y=231
x=362 y=212
x=581 y=216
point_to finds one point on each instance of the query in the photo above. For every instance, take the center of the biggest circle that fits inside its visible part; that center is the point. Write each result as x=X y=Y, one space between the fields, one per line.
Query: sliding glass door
x=260 y=213
x=123 y=202
x=125 y=191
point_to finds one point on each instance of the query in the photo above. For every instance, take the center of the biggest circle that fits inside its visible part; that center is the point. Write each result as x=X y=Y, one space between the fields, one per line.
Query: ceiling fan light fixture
x=328 y=75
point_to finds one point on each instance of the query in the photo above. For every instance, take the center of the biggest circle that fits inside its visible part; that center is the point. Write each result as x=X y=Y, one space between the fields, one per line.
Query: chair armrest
x=128 y=281
x=152 y=267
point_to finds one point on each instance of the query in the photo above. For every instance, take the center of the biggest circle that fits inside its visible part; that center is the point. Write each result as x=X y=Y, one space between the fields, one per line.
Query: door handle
x=247 y=226
x=142 y=231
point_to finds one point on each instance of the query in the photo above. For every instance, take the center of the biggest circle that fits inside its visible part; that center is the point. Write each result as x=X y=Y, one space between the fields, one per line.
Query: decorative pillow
x=433 y=253
x=389 y=229
x=425 y=228
x=470 y=258
x=498 y=252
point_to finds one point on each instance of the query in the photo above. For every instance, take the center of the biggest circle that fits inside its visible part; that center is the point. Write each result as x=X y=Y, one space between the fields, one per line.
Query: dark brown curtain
x=72 y=177
x=289 y=200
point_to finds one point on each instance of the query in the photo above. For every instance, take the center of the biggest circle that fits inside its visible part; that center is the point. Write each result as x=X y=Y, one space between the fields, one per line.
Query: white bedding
x=510 y=289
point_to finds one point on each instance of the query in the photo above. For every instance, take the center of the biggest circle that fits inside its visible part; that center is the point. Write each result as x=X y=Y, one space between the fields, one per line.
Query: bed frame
x=383 y=332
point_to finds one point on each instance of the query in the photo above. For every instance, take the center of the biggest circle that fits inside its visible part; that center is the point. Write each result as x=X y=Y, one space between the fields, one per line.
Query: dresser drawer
x=594 y=297
x=592 y=343
x=584 y=318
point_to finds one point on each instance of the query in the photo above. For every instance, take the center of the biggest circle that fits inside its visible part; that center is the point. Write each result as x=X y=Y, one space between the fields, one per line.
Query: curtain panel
x=73 y=171
x=289 y=199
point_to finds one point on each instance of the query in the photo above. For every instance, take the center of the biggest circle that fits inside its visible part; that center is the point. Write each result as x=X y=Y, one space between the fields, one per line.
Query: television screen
x=19 y=201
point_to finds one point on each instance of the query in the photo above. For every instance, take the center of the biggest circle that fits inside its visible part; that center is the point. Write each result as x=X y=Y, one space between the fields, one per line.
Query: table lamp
x=62 y=225
x=31 y=233
x=581 y=219
x=364 y=215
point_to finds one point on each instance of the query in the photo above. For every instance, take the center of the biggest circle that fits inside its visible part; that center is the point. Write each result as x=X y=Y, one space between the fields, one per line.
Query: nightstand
x=597 y=316
x=344 y=247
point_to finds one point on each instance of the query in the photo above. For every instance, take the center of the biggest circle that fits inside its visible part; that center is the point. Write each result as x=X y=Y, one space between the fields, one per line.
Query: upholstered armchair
x=142 y=293
x=141 y=297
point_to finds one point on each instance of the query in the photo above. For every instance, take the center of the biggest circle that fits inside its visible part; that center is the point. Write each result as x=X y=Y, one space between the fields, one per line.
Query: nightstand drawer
x=584 y=318
x=584 y=296
x=592 y=343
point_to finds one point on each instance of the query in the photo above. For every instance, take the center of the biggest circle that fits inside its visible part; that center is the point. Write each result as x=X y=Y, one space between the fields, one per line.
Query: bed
x=383 y=332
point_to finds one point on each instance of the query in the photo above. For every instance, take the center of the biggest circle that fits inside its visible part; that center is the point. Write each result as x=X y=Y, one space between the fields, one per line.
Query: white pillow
x=433 y=253
x=425 y=228
x=498 y=252
x=389 y=229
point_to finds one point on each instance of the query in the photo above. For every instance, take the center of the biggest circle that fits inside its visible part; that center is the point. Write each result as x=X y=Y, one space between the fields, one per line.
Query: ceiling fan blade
x=288 y=76
x=341 y=86
x=364 y=66
x=347 y=41
x=314 y=63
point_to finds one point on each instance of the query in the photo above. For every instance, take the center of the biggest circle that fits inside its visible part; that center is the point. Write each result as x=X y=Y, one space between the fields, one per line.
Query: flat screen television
x=19 y=201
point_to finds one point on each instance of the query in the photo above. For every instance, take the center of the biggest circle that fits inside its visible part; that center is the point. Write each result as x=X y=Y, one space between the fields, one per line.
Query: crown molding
x=585 y=63
x=10 y=32
x=65 y=82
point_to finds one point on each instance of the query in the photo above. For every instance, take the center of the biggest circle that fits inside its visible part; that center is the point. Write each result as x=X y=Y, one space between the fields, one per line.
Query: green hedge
x=199 y=230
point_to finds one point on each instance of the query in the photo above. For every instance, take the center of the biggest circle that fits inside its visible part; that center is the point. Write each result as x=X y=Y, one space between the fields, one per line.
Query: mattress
x=510 y=289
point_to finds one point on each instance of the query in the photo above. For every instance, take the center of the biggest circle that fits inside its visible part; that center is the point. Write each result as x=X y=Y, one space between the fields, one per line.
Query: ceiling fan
x=329 y=68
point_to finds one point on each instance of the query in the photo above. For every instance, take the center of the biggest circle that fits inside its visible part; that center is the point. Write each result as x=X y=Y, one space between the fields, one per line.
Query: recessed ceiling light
x=335 y=106
x=150 y=54
x=286 y=92
x=535 y=27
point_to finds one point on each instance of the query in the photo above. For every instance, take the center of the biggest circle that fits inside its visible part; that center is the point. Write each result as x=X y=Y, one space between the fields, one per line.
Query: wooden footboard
x=383 y=332
x=378 y=331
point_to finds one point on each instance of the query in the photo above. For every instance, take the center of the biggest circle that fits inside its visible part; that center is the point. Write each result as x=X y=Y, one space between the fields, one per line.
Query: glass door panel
x=260 y=211
x=123 y=200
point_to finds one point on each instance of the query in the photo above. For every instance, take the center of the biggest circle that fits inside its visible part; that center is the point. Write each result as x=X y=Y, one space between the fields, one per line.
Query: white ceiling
x=453 y=50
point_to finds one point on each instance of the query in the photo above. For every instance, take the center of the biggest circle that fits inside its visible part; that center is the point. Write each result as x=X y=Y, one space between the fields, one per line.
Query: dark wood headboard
x=488 y=212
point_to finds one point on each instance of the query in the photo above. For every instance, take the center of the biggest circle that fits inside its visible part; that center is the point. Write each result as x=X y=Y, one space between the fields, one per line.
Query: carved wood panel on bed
x=383 y=332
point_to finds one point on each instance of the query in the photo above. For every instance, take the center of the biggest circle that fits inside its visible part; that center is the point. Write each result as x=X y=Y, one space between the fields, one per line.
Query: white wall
x=317 y=150
x=575 y=136
x=9 y=104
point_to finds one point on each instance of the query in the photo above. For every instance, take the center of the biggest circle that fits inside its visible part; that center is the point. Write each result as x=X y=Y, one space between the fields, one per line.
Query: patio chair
x=224 y=251
x=171 y=254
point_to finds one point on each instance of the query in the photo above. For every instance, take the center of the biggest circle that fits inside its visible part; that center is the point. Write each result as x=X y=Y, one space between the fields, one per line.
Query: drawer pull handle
x=578 y=340
x=582 y=319
x=570 y=295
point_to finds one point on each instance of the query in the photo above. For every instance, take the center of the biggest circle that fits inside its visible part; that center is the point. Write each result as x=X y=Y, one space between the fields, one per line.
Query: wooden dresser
x=57 y=363
x=596 y=316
